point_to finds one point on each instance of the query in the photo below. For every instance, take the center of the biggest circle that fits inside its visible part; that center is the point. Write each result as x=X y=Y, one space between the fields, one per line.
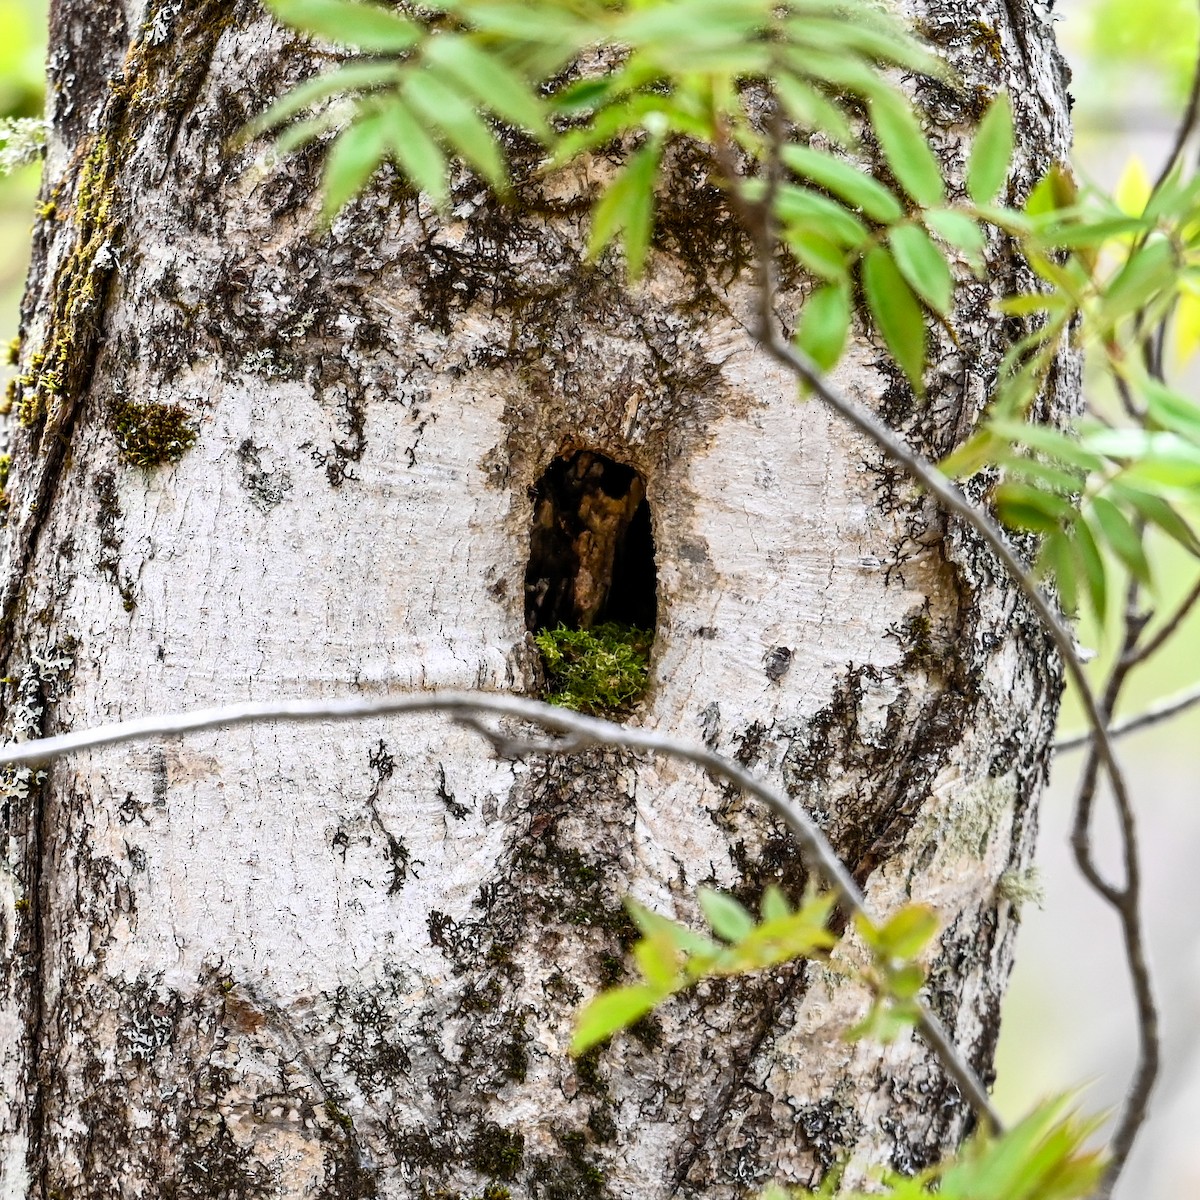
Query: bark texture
x=343 y=963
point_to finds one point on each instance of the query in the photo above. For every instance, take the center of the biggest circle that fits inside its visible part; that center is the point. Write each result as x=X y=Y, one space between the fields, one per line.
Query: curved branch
x=579 y=732
x=1173 y=706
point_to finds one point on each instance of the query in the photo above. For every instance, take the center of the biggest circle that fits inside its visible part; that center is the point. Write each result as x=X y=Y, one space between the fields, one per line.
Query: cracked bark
x=250 y=966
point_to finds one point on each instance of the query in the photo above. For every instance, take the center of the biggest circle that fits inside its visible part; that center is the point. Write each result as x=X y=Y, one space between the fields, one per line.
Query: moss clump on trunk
x=598 y=671
x=151 y=434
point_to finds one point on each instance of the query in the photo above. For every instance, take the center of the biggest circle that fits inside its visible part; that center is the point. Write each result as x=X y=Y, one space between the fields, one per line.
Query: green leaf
x=774 y=906
x=419 y=156
x=1150 y=269
x=991 y=153
x=905 y=982
x=1093 y=568
x=960 y=231
x=801 y=207
x=349 y=23
x=906 y=150
x=844 y=180
x=464 y=129
x=1049 y=441
x=810 y=110
x=816 y=252
x=611 y=1011
x=349 y=78
x=628 y=207
x=897 y=314
x=1022 y=506
x=1058 y=559
x=922 y=264
x=652 y=924
x=977 y=452
x=907 y=932
x=726 y=916
x=825 y=324
x=658 y=961
x=1169 y=410
x=351 y=162
x=1161 y=514
x=1118 y=531
x=1055 y=191
x=489 y=80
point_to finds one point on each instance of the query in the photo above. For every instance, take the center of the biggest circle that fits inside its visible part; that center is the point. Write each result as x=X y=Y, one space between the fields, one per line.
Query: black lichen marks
x=574 y=1173
x=458 y=811
x=829 y=1127
x=372 y=1046
x=497 y=1153
x=401 y=864
x=696 y=226
x=214 y=1072
x=339 y=382
x=108 y=520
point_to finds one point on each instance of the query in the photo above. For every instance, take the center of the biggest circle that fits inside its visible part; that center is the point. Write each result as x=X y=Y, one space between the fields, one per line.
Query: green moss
x=600 y=670
x=151 y=434
x=498 y=1152
x=157 y=76
x=13 y=355
x=5 y=501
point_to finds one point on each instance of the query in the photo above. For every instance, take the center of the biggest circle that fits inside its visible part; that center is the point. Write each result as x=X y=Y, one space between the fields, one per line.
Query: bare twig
x=579 y=731
x=1140 y=653
x=1125 y=901
x=1184 y=130
x=1154 y=715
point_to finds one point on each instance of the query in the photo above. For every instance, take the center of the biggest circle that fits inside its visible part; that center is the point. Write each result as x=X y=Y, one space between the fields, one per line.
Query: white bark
x=239 y=967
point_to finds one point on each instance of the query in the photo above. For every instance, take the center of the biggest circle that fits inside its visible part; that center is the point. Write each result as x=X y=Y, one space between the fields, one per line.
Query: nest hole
x=591 y=586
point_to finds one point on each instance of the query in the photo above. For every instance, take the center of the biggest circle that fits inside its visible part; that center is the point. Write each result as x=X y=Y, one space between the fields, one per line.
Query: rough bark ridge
x=254 y=462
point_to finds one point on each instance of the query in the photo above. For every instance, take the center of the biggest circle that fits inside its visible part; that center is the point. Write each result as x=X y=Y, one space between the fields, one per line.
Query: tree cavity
x=591 y=587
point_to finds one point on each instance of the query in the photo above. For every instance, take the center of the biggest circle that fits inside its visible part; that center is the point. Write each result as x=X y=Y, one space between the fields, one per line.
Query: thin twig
x=1154 y=715
x=1184 y=130
x=1140 y=653
x=581 y=731
x=1126 y=900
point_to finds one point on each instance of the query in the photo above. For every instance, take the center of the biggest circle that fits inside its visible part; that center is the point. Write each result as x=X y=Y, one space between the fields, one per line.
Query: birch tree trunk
x=343 y=962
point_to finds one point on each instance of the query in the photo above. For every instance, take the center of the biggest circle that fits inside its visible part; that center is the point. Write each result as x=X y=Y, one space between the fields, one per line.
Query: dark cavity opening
x=591 y=550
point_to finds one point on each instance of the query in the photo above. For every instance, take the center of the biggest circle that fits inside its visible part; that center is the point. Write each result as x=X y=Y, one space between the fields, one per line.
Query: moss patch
x=600 y=670
x=151 y=434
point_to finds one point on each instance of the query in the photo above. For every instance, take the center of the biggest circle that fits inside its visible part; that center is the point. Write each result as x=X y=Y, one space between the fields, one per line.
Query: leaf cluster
x=1045 y=1157
x=670 y=957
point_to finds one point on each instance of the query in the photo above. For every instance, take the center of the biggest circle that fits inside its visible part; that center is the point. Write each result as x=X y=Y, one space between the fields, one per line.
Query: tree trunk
x=343 y=961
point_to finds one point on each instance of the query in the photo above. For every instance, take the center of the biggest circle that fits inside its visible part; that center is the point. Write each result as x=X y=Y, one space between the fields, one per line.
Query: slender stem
x=1187 y=125
x=1153 y=715
x=1152 y=645
x=579 y=731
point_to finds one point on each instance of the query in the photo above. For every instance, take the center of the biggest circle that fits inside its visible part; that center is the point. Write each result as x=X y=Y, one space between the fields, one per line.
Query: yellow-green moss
x=156 y=77
x=151 y=434
x=5 y=502
x=599 y=670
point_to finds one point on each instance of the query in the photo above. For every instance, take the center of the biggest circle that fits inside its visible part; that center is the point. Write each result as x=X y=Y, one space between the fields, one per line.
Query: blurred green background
x=22 y=59
x=1068 y=1016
